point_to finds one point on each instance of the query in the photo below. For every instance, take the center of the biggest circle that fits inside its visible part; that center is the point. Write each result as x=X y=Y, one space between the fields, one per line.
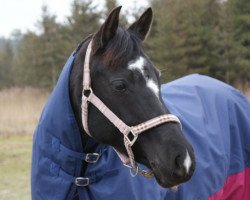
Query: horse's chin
x=167 y=184
x=165 y=181
x=161 y=178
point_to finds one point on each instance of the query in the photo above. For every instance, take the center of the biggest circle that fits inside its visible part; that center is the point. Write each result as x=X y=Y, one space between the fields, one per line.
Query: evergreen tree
x=84 y=20
x=50 y=57
x=39 y=57
x=177 y=38
x=183 y=37
x=241 y=12
x=225 y=48
x=6 y=57
x=26 y=60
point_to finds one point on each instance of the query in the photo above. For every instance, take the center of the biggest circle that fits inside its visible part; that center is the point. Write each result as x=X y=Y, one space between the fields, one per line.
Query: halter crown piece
x=127 y=131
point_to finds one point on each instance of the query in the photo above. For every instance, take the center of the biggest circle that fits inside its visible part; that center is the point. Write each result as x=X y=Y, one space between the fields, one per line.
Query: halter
x=130 y=133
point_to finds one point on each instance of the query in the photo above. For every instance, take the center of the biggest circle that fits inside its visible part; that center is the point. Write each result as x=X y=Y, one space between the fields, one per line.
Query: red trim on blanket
x=236 y=187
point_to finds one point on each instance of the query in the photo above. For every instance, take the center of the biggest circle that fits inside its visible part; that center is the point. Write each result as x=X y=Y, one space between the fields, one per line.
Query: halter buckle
x=129 y=135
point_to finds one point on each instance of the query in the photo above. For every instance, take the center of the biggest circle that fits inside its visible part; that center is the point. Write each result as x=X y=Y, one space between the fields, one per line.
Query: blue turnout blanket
x=215 y=119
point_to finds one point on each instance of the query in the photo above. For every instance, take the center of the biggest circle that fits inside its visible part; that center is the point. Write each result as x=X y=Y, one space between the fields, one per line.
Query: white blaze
x=138 y=65
x=187 y=162
x=153 y=86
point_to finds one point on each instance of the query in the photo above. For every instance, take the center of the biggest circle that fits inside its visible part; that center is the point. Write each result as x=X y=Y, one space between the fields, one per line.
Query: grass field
x=19 y=112
x=15 y=154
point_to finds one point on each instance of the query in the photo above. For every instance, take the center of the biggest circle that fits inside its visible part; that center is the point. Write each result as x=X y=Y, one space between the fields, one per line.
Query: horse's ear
x=142 y=25
x=108 y=29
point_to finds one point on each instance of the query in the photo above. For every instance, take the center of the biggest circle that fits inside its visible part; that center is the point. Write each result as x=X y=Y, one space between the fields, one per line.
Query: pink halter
x=127 y=131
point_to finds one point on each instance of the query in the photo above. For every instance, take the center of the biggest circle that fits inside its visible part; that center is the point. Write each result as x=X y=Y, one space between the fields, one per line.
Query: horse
x=107 y=111
x=126 y=81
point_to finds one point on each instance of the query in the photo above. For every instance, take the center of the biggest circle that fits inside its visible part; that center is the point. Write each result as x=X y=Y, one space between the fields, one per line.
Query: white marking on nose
x=187 y=162
x=138 y=65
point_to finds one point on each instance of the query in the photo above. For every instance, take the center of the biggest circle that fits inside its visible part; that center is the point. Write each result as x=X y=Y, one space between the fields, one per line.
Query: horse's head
x=125 y=79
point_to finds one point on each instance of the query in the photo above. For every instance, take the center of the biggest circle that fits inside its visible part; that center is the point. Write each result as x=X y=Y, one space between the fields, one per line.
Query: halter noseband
x=130 y=133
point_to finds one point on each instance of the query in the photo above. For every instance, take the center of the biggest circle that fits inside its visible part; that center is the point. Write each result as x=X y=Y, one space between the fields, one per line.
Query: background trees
x=210 y=37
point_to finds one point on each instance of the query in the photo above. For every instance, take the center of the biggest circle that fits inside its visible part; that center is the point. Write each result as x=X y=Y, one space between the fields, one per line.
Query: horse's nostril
x=178 y=162
x=179 y=170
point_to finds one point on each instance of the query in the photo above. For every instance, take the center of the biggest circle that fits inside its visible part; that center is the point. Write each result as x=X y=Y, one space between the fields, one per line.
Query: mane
x=121 y=48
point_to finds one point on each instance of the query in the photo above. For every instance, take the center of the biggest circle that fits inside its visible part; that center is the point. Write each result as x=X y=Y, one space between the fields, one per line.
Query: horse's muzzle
x=179 y=171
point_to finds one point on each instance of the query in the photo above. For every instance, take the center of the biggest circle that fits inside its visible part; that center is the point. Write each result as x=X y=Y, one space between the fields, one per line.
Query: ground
x=15 y=157
x=20 y=109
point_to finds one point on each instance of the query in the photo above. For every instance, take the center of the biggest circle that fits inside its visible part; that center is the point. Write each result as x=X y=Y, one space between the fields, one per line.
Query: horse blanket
x=215 y=119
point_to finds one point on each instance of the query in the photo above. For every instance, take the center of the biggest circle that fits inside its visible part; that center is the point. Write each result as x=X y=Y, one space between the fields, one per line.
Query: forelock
x=123 y=47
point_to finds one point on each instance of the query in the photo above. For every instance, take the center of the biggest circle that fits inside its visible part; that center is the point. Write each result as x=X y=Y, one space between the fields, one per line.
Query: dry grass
x=20 y=109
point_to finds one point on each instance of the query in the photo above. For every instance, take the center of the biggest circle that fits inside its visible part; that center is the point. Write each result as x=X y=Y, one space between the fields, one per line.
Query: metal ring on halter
x=89 y=91
x=132 y=171
x=131 y=142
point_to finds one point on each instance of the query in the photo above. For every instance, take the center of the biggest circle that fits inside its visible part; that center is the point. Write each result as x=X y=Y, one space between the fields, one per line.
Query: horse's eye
x=119 y=85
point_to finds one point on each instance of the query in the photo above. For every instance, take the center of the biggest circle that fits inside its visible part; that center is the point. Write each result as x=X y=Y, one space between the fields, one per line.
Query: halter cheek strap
x=130 y=133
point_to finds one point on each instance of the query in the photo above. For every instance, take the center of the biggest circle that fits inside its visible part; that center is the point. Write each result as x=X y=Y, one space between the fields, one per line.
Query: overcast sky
x=23 y=14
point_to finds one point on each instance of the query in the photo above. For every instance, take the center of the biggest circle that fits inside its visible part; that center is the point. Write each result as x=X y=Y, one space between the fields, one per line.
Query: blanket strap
x=85 y=181
x=87 y=157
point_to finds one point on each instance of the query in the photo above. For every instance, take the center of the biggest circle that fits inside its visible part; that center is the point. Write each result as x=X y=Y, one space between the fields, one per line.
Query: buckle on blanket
x=82 y=181
x=92 y=157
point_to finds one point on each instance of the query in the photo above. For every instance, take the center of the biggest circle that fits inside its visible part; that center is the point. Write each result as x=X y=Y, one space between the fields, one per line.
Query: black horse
x=125 y=79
